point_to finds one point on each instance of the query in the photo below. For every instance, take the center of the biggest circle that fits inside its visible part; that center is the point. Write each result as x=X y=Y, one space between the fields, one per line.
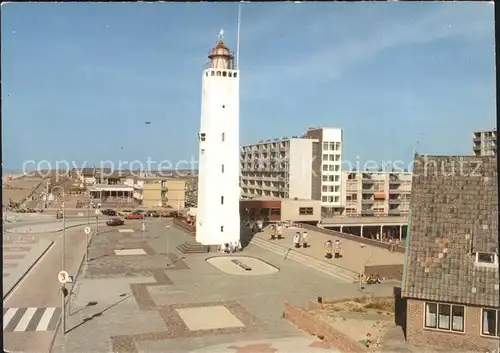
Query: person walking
x=296 y=240
x=304 y=240
x=328 y=249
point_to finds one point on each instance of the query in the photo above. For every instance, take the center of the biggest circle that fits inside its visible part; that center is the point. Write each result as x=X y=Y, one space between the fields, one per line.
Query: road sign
x=87 y=230
x=63 y=277
x=71 y=279
x=97 y=212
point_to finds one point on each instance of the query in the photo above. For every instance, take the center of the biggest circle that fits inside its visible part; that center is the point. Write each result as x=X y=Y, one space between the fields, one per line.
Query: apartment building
x=279 y=168
x=157 y=191
x=367 y=193
x=484 y=143
x=327 y=169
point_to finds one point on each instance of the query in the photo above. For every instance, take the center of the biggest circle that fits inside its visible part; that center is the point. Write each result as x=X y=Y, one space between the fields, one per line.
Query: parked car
x=115 y=222
x=140 y=212
x=124 y=213
x=135 y=216
x=108 y=212
x=152 y=214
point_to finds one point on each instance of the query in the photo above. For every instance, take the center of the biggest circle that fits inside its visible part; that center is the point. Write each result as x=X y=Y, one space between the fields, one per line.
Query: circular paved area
x=242 y=265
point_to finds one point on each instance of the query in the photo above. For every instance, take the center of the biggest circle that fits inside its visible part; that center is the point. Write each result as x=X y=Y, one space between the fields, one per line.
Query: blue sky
x=79 y=80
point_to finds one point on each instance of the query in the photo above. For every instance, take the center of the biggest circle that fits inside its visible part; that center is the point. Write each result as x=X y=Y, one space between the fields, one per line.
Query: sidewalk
x=52 y=227
x=355 y=255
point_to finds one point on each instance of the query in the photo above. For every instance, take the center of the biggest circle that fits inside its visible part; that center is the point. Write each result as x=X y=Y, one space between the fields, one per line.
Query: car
x=140 y=212
x=108 y=212
x=115 y=222
x=124 y=213
x=135 y=216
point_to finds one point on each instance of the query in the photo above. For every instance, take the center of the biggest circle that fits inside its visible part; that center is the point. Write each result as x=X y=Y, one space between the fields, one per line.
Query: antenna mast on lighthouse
x=238 y=38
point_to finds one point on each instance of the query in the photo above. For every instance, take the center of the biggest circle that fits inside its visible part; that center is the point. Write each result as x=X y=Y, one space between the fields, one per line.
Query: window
x=324 y=199
x=218 y=73
x=223 y=106
x=330 y=178
x=325 y=177
x=325 y=146
x=235 y=75
x=202 y=151
x=337 y=157
x=490 y=323
x=325 y=167
x=337 y=188
x=325 y=188
x=223 y=137
x=336 y=178
x=224 y=73
x=212 y=73
x=264 y=211
x=486 y=258
x=325 y=157
x=221 y=229
x=330 y=199
x=206 y=74
x=229 y=74
x=222 y=200
x=332 y=146
x=331 y=168
x=222 y=168
x=336 y=199
x=332 y=158
x=202 y=136
x=337 y=146
x=276 y=211
x=303 y=211
x=445 y=317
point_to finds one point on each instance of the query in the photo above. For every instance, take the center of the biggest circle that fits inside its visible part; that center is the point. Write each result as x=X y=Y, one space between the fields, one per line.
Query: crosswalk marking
x=44 y=321
x=8 y=316
x=30 y=319
x=25 y=320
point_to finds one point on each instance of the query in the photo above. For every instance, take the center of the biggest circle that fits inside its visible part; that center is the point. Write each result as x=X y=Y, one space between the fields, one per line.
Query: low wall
x=307 y=322
x=179 y=222
x=387 y=271
x=355 y=238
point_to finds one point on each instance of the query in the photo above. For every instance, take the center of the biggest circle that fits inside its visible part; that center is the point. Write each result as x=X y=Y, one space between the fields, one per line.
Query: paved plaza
x=149 y=297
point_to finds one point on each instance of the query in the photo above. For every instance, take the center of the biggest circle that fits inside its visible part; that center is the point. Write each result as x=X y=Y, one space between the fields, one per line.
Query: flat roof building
x=484 y=143
x=369 y=193
x=279 y=168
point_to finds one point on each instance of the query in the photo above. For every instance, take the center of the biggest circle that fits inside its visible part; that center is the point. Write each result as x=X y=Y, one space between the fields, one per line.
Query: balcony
x=367 y=212
x=368 y=201
x=395 y=201
x=394 y=212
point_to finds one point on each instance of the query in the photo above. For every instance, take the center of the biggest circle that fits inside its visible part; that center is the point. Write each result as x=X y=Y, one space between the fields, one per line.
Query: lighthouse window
x=222 y=200
x=202 y=136
x=235 y=75
x=218 y=73
x=229 y=74
x=224 y=73
x=212 y=73
x=221 y=229
x=222 y=168
x=206 y=74
x=223 y=136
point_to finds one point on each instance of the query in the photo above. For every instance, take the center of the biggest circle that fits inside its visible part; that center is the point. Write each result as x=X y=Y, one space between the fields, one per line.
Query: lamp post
x=63 y=260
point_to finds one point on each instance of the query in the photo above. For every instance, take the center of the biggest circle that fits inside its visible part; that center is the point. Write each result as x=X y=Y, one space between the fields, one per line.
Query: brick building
x=451 y=274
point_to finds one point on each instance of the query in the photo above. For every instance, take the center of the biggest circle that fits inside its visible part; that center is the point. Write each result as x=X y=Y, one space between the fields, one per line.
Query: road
x=32 y=310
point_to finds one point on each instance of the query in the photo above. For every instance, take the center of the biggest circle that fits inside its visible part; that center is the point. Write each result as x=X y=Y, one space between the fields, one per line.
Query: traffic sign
x=71 y=279
x=63 y=277
x=87 y=230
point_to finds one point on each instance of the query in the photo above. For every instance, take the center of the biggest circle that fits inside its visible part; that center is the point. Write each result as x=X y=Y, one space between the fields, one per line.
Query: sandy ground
x=357 y=318
x=18 y=189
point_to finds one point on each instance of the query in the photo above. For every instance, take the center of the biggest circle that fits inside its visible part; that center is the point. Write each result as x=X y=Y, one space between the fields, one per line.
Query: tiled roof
x=454 y=212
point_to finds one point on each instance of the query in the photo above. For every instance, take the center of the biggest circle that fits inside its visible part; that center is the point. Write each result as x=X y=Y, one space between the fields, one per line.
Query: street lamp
x=63 y=260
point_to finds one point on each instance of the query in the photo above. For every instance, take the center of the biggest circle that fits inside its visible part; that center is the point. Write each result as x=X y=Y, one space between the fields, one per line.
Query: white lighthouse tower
x=218 y=214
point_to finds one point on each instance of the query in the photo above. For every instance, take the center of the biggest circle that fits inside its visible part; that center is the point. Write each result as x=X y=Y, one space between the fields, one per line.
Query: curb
x=28 y=270
x=53 y=231
x=70 y=290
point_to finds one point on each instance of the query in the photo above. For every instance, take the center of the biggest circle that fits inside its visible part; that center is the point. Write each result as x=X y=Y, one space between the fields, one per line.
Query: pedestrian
x=337 y=249
x=328 y=249
x=304 y=240
x=390 y=243
x=279 y=231
x=296 y=240
x=397 y=244
x=273 y=232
